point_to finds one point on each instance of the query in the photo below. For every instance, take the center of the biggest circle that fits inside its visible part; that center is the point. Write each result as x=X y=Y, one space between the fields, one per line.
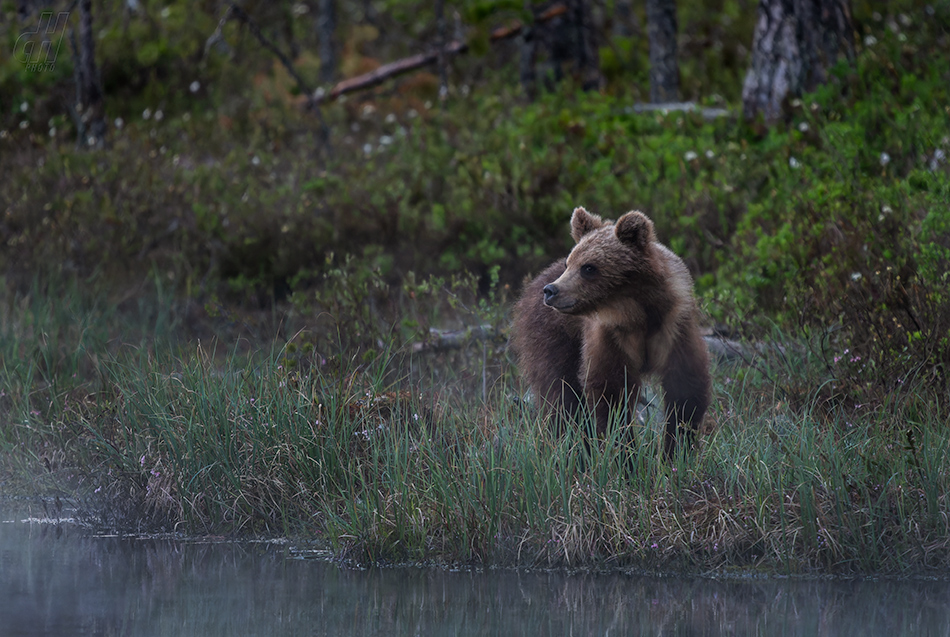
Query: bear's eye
x=588 y=270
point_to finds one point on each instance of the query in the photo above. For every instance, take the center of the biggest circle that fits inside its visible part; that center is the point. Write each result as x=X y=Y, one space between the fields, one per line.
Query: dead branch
x=414 y=62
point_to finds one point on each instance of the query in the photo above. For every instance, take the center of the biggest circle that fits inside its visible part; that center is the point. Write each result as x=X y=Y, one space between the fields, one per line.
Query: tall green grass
x=200 y=439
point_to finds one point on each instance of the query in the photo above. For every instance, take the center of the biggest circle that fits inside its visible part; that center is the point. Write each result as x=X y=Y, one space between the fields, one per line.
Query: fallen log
x=669 y=107
x=440 y=339
x=722 y=349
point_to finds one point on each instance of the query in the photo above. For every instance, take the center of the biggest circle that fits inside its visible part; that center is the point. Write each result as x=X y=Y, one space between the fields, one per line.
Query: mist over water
x=55 y=579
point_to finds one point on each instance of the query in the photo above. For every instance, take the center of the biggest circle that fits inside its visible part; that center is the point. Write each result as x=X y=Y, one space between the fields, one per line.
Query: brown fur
x=618 y=308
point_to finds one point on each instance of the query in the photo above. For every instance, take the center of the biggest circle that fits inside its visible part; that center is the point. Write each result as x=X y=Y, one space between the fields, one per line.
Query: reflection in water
x=56 y=581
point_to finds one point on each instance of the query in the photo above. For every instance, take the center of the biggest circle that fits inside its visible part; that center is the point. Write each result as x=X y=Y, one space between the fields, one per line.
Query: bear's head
x=608 y=260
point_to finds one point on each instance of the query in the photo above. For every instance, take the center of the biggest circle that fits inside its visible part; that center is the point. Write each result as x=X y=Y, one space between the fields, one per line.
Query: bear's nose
x=550 y=291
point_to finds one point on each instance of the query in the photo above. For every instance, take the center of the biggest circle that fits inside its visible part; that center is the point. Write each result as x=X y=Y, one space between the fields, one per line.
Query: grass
x=179 y=436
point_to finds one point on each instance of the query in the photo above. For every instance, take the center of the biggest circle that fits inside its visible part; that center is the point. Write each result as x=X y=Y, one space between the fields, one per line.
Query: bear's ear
x=634 y=228
x=583 y=222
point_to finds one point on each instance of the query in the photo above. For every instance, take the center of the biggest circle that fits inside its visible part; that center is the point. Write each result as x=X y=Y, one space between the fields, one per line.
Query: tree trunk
x=794 y=44
x=369 y=13
x=90 y=111
x=623 y=18
x=585 y=52
x=526 y=50
x=664 y=69
x=326 y=30
x=442 y=41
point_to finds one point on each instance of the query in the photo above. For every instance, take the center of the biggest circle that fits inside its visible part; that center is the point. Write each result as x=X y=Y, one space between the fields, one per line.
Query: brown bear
x=618 y=308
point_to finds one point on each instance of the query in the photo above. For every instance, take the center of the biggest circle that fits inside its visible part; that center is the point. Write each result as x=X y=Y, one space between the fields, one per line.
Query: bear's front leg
x=687 y=385
x=611 y=381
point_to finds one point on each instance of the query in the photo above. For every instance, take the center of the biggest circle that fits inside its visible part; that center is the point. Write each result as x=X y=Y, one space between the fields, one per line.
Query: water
x=56 y=580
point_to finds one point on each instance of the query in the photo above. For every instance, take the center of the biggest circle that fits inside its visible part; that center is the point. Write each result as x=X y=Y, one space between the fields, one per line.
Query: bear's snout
x=555 y=297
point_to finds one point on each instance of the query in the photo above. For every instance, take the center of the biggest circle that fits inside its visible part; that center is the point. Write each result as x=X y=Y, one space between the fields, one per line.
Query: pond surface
x=57 y=580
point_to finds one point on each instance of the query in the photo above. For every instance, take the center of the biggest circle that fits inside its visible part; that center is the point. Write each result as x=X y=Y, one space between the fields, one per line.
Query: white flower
x=147 y=113
x=855 y=276
x=794 y=163
x=803 y=127
x=24 y=107
x=391 y=118
x=690 y=155
x=412 y=113
x=870 y=40
x=194 y=86
x=24 y=124
x=159 y=115
x=119 y=123
x=52 y=132
x=256 y=160
x=937 y=159
x=385 y=140
x=710 y=154
x=166 y=12
x=367 y=148
x=885 y=159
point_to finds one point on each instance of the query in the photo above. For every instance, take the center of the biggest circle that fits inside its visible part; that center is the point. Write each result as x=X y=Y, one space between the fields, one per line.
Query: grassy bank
x=219 y=323
x=149 y=434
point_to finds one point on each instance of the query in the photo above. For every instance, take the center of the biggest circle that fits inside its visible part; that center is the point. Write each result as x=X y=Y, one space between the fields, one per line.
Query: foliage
x=837 y=214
